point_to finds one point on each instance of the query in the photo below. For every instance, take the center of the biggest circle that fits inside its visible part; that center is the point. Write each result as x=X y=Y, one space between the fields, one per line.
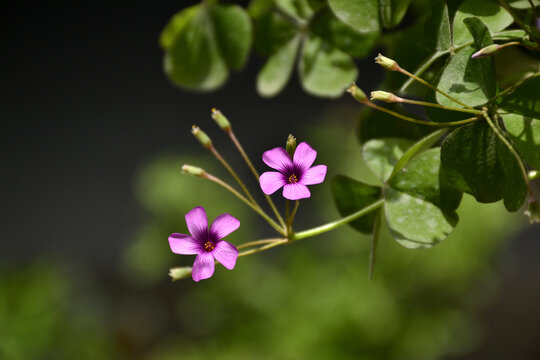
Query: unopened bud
x=357 y=93
x=178 y=273
x=387 y=63
x=221 y=120
x=291 y=145
x=193 y=170
x=385 y=96
x=201 y=136
x=533 y=212
x=487 y=51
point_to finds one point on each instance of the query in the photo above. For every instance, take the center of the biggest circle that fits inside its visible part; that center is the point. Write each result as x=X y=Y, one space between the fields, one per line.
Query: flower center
x=209 y=245
x=293 y=179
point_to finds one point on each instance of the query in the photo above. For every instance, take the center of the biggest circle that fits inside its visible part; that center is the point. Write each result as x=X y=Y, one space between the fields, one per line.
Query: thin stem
x=335 y=224
x=437 y=55
x=265 y=247
x=233 y=173
x=374 y=243
x=520 y=23
x=258 y=242
x=246 y=201
x=533 y=7
x=424 y=82
x=256 y=174
x=424 y=103
x=417 y=121
x=513 y=87
x=512 y=150
x=287 y=216
x=293 y=213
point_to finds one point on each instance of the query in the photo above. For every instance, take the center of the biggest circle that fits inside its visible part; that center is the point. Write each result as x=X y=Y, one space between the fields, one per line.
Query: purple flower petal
x=296 y=191
x=203 y=267
x=223 y=225
x=304 y=156
x=277 y=158
x=314 y=175
x=184 y=244
x=271 y=181
x=197 y=223
x=226 y=253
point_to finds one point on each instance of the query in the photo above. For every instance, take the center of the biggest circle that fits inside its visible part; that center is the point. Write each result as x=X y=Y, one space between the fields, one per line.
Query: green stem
x=335 y=224
x=512 y=150
x=424 y=103
x=265 y=247
x=417 y=121
x=246 y=201
x=513 y=87
x=258 y=242
x=234 y=175
x=533 y=7
x=424 y=82
x=256 y=174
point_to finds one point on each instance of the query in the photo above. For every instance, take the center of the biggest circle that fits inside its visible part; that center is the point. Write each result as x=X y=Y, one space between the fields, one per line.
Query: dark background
x=85 y=101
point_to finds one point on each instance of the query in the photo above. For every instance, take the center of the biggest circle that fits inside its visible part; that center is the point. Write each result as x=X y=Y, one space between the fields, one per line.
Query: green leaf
x=525 y=134
x=471 y=81
x=523 y=4
x=271 y=32
x=416 y=223
x=381 y=155
x=421 y=145
x=469 y=159
x=300 y=9
x=278 y=69
x=525 y=99
x=324 y=69
x=329 y=28
x=232 y=27
x=437 y=29
x=193 y=60
x=350 y=196
x=514 y=187
x=423 y=178
x=392 y=11
x=490 y=13
x=175 y=25
x=362 y=15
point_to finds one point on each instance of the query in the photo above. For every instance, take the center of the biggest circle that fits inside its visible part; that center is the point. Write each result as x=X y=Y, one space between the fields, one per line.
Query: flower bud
x=387 y=63
x=357 y=93
x=291 y=145
x=487 y=51
x=385 y=96
x=533 y=212
x=178 y=273
x=193 y=170
x=201 y=136
x=221 y=120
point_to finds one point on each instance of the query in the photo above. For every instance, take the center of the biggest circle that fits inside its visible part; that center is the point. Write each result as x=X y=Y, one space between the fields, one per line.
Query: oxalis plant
x=463 y=113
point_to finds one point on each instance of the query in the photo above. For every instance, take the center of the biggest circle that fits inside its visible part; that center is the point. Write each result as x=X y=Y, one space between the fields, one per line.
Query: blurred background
x=94 y=137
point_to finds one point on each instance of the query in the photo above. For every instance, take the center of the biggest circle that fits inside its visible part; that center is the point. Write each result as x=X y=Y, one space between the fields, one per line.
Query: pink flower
x=293 y=175
x=206 y=243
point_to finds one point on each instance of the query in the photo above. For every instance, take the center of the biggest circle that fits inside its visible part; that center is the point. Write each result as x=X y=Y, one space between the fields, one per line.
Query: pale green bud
x=487 y=51
x=387 y=63
x=221 y=120
x=201 y=136
x=178 y=273
x=193 y=170
x=385 y=96
x=291 y=145
x=357 y=93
